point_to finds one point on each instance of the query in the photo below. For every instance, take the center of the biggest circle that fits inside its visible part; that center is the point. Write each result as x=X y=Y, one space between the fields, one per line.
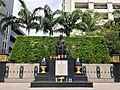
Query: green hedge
x=31 y=48
x=113 y=41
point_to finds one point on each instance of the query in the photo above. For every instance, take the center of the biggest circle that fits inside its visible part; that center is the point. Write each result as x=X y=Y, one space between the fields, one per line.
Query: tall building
x=105 y=7
x=8 y=38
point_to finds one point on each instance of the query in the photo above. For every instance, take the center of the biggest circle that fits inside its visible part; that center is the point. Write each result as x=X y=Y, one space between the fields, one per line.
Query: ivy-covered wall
x=91 y=49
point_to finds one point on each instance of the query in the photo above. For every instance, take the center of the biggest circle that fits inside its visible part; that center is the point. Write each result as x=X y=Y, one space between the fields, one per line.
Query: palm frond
x=3 y=15
x=24 y=12
x=57 y=12
x=2 y=3
x=47 y=11
x=37 y=9
x=61 y=30
x=22 y=4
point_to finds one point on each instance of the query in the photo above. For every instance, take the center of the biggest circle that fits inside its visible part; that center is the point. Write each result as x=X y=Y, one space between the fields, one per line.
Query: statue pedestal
x=116 y=66
x=61 y=74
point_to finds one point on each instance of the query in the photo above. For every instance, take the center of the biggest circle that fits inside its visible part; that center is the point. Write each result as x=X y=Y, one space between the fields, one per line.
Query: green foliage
x=89 y=21
x=28 y=19
x=91 y=49
x=111 y=31
x=113 y=41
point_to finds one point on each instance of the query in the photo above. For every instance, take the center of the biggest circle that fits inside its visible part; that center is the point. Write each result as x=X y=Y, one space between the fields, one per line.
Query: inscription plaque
x=61 y=68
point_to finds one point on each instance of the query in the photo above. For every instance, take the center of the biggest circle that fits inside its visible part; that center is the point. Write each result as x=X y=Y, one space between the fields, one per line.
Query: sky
x=32 y=4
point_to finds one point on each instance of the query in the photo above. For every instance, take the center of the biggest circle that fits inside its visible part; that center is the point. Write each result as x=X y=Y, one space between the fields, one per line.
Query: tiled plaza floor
x=26 y=86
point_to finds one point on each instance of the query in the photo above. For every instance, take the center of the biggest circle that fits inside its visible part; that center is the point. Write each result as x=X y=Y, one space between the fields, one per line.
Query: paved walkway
x=26 y=86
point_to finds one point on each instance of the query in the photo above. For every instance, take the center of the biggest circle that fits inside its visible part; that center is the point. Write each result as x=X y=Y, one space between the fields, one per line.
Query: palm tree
x=68 y=21
x=8 y=21
x=27 y=19
x=116 y=15
x=48 y=21
x=89 y=21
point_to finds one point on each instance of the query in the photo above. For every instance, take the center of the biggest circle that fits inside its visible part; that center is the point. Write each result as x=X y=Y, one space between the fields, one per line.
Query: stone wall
x=99 y=72
x=26 y=72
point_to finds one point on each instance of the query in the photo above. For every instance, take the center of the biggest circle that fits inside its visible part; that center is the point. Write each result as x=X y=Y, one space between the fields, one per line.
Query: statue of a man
x=60 y=48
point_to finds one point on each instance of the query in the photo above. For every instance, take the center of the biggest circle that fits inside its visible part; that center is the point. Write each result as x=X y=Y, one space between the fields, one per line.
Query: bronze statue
x=61 y=47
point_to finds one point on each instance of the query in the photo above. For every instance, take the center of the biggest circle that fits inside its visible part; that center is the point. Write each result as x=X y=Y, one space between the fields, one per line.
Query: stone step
x=61 y=84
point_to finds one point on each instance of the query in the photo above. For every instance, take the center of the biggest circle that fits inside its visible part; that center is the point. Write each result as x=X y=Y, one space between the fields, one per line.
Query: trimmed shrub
x=30 y=49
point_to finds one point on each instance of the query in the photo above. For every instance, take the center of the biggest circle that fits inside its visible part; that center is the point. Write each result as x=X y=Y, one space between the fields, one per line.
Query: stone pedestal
x=116 y=69
x=80 y=77
x=60 y=78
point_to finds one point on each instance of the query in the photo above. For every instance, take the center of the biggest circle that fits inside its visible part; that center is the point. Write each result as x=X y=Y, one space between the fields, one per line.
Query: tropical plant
x=8 y=21
x=79 y=20
x=68 y=21
x=2 y=3
x=111 y=31
x=116 y=14
x=89 y=21
x=48 y=20
x=27 y=19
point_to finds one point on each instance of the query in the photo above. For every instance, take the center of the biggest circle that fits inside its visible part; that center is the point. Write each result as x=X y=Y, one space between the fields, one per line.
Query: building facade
x=105 y=7
x=8 y=38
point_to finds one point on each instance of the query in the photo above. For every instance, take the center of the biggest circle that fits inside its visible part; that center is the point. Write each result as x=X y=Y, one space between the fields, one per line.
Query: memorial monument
x=61 y=47
x=62 y=71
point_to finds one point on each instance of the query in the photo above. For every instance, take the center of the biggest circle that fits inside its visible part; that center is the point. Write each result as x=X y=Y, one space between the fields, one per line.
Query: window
x=12 y=39
x=6 y=36
x=116 y=6
x=81 y=5
x=3 y=44
x=10 y=49
x=7 y=28
x=3 y=51
x=100 y=5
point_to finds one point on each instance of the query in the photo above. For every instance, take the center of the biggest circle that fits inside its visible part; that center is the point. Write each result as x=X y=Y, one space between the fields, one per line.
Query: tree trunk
x=68 y=32
x=51 y=32
x=28 y=32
